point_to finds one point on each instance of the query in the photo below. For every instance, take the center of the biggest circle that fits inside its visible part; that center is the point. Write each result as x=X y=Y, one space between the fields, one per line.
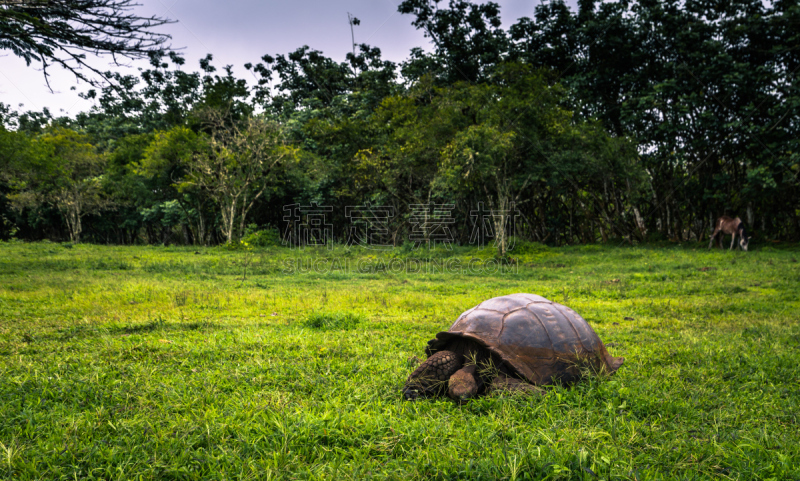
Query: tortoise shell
x=540 y=339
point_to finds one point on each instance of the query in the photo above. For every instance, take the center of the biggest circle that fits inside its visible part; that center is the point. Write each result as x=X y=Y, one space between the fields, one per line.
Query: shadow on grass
x=156 y=325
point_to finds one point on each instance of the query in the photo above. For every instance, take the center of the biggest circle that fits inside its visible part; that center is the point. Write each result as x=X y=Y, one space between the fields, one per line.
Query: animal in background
x=729 y=226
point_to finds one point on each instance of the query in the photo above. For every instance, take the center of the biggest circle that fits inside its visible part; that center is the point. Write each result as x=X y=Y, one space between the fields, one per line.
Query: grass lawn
x=167 y=363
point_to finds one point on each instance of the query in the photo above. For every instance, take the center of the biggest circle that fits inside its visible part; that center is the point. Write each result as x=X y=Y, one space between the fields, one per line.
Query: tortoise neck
x=464 y=347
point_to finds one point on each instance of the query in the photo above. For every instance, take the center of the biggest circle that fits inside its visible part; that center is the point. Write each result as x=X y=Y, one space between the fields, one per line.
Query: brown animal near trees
x=729 y=226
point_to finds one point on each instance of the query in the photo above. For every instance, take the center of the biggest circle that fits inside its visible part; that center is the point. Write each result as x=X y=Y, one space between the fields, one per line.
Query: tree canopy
x=619 y=121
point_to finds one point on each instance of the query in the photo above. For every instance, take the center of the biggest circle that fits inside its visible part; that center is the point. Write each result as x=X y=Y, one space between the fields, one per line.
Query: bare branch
x=63 y=32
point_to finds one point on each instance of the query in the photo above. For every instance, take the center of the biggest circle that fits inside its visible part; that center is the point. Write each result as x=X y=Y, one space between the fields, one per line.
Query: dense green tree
x=467 y=37
x=224 y=93
x=16 y=149
x=235 y=170
x=128 y=191
x=507 y=143
x=618 y=120
x=517 y=145
x=308 y=80
x=165 y=166
x=157 y=99
x=705 y=88
x=64 y=170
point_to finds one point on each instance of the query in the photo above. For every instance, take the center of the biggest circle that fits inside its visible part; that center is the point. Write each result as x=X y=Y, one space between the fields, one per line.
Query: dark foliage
x=621 y=121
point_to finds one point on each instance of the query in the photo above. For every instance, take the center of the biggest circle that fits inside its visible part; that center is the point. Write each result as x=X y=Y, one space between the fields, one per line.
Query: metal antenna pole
x=352 y=35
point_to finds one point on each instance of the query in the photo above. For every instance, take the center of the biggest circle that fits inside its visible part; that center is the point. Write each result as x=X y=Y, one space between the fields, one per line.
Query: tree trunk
x=668 y=223
x=72 y=217
x=639 y=223
x=201 y=228
x=228 y=218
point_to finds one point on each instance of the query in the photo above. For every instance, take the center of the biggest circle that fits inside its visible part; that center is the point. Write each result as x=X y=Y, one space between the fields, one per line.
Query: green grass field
x=168 y=363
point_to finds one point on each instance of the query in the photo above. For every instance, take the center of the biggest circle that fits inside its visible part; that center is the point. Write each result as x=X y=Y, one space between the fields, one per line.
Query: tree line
x=618 y=121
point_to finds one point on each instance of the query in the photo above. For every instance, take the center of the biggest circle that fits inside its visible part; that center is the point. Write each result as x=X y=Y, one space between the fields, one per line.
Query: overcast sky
x=241 y=31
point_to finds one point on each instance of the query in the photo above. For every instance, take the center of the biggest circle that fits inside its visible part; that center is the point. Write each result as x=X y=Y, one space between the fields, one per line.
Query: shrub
x=333 y=320
x=261 y=237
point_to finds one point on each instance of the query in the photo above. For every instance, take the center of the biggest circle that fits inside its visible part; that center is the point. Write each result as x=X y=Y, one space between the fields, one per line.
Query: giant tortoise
x=511 y=342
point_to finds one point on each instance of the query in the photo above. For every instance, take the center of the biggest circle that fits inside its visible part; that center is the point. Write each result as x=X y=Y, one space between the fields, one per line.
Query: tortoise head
x=412 y=393
x=464 y=384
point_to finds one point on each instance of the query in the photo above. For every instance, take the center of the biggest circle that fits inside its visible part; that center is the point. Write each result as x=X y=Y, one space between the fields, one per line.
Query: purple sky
x=241 y=31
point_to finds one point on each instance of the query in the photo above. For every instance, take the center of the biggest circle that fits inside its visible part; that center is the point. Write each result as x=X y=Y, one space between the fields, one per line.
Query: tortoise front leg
x=432 y=375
